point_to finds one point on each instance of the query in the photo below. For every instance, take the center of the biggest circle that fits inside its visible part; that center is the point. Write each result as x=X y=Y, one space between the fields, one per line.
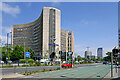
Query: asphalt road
x=7 y=71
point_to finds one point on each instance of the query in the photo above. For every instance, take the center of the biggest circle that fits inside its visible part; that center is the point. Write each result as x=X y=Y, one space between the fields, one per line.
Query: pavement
x=116 y=74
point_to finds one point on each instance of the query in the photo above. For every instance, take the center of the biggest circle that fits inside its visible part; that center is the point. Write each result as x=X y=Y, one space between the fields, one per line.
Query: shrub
x=23 y=65
x=43 y=70
x=50 y=69
x=32 y=64
x=58 y=68
x=23 y=60
x=30 y=60
x=37 y=63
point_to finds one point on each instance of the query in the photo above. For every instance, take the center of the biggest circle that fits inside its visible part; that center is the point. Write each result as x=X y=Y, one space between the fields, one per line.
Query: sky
x=94 y=24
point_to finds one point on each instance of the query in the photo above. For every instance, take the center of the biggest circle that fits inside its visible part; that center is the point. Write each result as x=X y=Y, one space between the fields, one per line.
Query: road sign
x=53 y=45
x=27 y=54
x=63 y=53
x=6 y=58
x=39 y=56
x=116 y=58
x=69 y=52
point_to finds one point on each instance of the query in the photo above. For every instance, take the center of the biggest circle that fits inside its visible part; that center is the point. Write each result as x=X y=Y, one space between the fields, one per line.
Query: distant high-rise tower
x=88 y=53
x=100 y=52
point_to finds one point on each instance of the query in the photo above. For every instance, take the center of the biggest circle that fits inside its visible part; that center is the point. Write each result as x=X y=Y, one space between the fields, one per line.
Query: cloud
x=10 y=10
x=3 y=36
x=55 y=3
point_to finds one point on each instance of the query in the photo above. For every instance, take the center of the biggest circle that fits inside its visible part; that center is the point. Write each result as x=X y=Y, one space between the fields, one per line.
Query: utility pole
x=24 y=50
x=60 y=58
x=66 y=56
x=111 y=64
x=7 y=47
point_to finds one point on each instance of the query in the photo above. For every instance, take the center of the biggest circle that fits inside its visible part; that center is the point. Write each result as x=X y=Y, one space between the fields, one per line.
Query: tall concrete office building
x=41 y=34
x=67 y=41
x=70 y=42
x=100 y=52
x=44 y=35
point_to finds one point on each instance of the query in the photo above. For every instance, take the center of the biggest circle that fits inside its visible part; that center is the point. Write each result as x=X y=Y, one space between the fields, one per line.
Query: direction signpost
x=27 y=55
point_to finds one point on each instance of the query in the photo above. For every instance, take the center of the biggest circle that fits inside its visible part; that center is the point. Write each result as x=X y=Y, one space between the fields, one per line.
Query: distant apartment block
x=44 y=35
x=88 y=54
x=100 y=52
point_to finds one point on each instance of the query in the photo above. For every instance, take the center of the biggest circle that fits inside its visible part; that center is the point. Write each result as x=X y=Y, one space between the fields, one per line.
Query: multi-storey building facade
x=41 y=33
x=63 y=41
x=100 y=52
x=70 y=42
x=44 y=35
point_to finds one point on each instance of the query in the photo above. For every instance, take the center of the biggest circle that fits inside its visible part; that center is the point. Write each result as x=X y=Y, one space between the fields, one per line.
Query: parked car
x=9 y=61
x=105 y=62
x=67 y=65
x=1 y=62
x=76 y=62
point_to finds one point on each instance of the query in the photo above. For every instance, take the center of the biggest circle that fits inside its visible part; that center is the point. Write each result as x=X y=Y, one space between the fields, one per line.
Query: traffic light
x=115 y=52
x=60 y=52
x=62 y=56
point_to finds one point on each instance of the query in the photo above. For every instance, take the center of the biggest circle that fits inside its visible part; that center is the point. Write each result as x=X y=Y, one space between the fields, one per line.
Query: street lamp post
x=7 y=45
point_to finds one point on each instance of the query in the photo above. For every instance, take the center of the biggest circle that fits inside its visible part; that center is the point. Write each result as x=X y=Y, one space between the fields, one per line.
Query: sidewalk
x=14 y=75
x=116 y=74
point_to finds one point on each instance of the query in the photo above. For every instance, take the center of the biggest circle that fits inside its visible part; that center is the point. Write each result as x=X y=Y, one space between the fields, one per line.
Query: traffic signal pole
x=111 y=65
x=60 y=61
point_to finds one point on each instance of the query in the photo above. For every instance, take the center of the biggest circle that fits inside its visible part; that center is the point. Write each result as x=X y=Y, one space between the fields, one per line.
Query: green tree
x=84 y=59
x=94 y=59
x=79 y=58
x=18 y=52
x=4 y=53
x=99 y=59
x=108 y=57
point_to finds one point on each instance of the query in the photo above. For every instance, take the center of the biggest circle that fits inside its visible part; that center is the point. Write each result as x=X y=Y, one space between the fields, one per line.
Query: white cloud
x=4 y=39
x=10 y=10
x=3 y=36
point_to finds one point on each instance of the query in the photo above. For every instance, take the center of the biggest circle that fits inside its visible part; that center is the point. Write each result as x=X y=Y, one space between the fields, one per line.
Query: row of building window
x=31 y=27
x=19 y=37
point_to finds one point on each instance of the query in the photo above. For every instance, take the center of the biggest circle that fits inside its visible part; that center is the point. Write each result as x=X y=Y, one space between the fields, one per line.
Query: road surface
x=7 y=71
